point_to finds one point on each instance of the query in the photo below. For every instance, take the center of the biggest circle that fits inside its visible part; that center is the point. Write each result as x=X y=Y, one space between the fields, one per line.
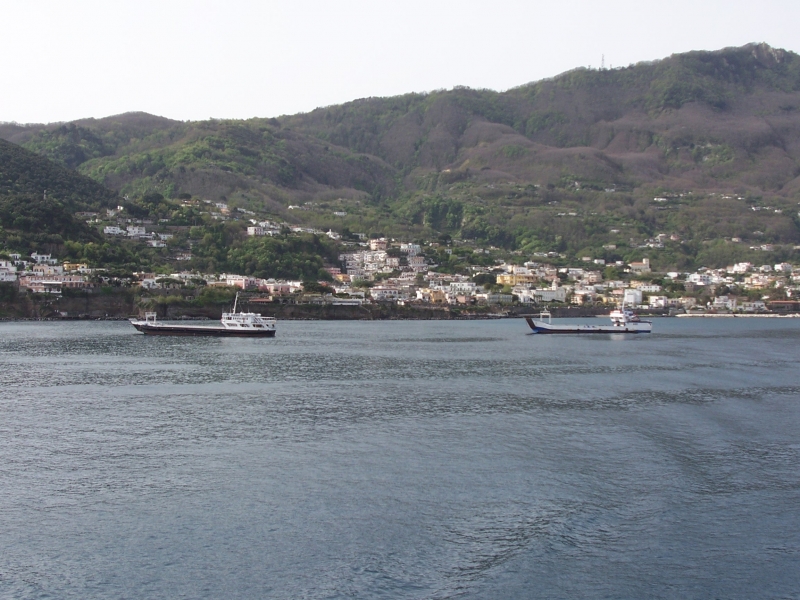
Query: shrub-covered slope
x=38 y=201
x=702 y=119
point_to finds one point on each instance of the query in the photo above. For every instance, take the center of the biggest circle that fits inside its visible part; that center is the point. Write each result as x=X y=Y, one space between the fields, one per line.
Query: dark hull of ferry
x=561 y=329
x=196 y=330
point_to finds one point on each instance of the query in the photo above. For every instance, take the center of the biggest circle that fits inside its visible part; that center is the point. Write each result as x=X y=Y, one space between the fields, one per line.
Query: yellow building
x=75 y=266
x=512 y=279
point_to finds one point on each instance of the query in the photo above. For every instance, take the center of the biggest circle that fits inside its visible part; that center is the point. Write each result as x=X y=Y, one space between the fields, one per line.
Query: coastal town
x=390 y=271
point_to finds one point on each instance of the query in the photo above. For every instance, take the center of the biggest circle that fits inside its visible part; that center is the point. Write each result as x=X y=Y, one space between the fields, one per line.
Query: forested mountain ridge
x=256 y=160
x=647 y=123
x=72 y=144
x=688 y=120
x=570 y=163
x=25 y=172
x=39 y=199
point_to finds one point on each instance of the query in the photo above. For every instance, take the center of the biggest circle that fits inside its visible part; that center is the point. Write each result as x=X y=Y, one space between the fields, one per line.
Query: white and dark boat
x=623 y=320
x=233 y=324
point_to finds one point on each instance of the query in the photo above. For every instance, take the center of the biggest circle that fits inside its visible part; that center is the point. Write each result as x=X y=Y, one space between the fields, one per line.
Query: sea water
x=402 y=459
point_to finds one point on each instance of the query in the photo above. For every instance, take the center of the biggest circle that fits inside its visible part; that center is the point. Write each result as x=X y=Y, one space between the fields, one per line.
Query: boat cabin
x=247 y=321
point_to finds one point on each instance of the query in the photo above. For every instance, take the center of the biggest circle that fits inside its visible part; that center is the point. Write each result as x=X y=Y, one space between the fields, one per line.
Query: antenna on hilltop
x=602 y=62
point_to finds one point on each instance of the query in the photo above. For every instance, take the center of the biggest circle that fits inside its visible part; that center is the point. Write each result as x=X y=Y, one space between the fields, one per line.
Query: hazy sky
x=68 y=59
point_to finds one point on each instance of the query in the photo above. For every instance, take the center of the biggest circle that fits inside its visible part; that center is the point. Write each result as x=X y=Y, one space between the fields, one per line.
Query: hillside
x=703 y=119
x=570 y=164
x=24 y=172
x=254 y=163
x=39 y=199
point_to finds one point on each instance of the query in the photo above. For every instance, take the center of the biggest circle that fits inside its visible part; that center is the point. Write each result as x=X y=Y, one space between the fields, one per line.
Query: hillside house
x=640 y=267
x=378 y=244
x=44 y=259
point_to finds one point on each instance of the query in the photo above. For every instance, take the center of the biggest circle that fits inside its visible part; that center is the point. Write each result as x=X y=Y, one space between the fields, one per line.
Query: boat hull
x=199 y=330
x=542 y=327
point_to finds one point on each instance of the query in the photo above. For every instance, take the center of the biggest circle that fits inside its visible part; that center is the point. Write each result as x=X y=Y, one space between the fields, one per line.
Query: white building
x=43 y=269
x=583 y=296
x=551 y=295
x=259 y=231
x=742 y=267
x=8 y=272
x=640 y=267
x=241 y=281
x=495 y=298
x=724 y=303
x=699 y=278
x=658 y=301
x=385 y=293
x=462 y=287
x=756 y=306
x=43 y=259
x=632 y=296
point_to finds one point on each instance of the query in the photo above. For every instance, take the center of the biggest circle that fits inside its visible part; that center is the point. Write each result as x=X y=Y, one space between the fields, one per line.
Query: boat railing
x=150 y=318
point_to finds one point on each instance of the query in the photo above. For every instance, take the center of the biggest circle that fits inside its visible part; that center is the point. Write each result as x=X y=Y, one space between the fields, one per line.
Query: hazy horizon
x=197 y=60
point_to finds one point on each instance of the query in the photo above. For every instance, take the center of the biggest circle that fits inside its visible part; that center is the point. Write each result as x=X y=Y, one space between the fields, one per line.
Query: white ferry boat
x=233 y=324
x=623 y=320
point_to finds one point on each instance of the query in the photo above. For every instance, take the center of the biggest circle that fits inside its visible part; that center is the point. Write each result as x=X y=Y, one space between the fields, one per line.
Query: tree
x=485 y=279
x=314 y=287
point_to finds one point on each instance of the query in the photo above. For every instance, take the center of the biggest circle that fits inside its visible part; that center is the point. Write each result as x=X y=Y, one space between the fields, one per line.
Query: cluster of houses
x=383 y=271
x=262 y=228
x=580 y=286
x=139 y=232
x=41 y=273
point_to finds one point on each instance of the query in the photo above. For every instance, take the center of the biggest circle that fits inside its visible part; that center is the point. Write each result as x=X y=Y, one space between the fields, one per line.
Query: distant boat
x=623 y=320
x=232 y=324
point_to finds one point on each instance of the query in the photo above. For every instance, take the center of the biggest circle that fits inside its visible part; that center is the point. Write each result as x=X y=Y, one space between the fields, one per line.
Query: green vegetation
x=288 y=258
x=569 y=166
x=38 y=200
x=29 y=223
x=23 y=172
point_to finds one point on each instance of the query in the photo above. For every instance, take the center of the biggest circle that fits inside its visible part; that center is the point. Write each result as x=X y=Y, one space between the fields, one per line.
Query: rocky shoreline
x=124 y=304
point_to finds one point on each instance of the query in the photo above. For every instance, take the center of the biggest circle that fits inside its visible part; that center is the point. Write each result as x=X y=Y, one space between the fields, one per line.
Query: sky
x=68 y=59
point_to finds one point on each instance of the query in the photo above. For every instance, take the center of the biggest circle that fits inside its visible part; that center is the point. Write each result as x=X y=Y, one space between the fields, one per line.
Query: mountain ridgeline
x=568 y=164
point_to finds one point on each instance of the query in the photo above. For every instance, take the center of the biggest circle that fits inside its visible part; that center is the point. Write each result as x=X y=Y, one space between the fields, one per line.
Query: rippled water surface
x=401 y=460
